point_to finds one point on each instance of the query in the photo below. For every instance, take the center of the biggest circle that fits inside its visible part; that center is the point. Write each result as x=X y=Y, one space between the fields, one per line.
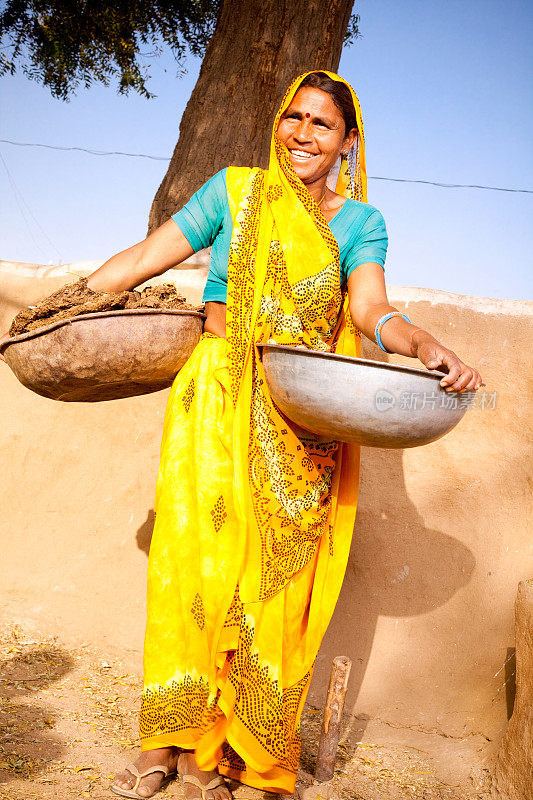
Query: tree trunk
x=257 y=48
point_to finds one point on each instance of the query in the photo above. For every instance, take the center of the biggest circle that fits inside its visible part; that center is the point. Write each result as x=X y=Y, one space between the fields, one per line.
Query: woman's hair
x=339 y=93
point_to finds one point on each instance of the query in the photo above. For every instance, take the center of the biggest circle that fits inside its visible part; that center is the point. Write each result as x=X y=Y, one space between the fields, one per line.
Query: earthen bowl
x=359 y=400
x=105 y=355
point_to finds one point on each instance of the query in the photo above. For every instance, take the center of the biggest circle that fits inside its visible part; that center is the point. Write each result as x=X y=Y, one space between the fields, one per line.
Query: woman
x=254 y=516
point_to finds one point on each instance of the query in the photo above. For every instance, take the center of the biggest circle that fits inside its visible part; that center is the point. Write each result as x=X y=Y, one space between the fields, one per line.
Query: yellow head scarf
x=351 y=180
x=284 y=284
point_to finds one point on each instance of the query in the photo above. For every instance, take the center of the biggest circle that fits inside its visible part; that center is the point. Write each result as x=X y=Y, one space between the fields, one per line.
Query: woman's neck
x=317 y=190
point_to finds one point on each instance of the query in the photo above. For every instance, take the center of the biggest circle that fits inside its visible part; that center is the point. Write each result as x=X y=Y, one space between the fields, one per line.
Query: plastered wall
x=442 y=536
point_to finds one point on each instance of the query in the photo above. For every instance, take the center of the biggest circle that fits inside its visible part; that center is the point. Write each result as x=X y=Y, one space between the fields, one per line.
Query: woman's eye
x=297 y=116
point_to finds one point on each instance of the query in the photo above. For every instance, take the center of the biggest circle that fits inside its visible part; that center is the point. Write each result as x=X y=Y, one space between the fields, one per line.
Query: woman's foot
x=164 y=756
x=187 y=766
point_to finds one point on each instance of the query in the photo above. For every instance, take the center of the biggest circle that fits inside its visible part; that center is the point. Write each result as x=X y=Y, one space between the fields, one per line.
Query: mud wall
x=442 y=535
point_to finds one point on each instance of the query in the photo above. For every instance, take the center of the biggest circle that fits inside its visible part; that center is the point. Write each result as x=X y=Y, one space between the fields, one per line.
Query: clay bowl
x=105 y=355
x=357 y=400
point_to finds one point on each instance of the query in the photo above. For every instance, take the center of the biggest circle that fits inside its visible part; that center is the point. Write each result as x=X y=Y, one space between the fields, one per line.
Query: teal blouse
x=206 y=220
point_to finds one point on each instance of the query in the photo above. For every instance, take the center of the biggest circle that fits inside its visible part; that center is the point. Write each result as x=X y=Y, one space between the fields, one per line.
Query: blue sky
x=445 y=90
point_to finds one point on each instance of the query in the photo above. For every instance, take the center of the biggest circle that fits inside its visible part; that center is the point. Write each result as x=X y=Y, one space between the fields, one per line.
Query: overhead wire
x=86 y=150
x=371 y=177
x=18 y=194
x=451 y=185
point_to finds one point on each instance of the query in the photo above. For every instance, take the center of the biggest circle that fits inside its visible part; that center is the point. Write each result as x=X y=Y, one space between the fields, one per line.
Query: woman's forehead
x=315 y=102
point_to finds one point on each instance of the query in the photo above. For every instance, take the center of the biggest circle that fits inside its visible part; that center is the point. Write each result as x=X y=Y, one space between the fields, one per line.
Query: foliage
x=62 y=44
x=352 y=31
x=65 y=43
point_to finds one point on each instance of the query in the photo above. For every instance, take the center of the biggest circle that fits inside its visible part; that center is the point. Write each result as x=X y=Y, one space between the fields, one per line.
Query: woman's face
x=312 y=129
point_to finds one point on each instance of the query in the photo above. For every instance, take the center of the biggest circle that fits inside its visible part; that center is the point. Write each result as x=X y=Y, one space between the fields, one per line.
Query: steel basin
x=362 y=401
x=105 y=355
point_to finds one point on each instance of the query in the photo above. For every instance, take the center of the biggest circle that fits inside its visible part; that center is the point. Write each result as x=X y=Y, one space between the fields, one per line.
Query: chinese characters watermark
x=418 y=401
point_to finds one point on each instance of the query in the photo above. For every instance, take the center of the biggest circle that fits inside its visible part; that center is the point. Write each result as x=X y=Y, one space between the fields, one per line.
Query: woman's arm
x=368 y=302
x=167 y=246
x=162 y=249
x=200 y=219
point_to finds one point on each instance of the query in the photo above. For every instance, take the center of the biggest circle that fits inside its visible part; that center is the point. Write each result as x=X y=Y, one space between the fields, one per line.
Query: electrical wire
x=86 y=150
x=18 y=194
x=451 y=185
x=370 y=177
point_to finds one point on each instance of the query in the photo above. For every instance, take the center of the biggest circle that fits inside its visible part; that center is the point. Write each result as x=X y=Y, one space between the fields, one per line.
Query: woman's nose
x=303 y=133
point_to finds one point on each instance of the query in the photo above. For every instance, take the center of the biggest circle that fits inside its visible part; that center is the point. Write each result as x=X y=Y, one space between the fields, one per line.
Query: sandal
x=168 y=776
x=214 y=784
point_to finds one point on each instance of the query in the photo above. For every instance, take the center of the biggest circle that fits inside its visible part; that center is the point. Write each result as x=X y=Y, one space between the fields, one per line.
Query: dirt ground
x=69 y=721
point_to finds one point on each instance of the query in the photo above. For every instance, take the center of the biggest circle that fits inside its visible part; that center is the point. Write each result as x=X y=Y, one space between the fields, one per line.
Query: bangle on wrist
x=411 y=341
x=381 y=321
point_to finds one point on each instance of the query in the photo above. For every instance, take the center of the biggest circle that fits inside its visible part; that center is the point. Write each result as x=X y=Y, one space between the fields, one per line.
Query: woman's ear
x=349 y=140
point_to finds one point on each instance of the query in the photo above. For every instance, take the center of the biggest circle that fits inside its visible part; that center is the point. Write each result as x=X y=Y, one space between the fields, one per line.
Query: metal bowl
x=357 y=400
x=105 y=355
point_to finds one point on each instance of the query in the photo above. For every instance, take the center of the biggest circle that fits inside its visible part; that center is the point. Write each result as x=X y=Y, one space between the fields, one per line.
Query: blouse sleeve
x=370 y=243
x=200 y=219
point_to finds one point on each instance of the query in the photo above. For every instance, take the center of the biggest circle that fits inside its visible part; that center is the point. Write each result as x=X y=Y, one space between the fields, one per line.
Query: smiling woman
x=317 y=126
x=254 y=517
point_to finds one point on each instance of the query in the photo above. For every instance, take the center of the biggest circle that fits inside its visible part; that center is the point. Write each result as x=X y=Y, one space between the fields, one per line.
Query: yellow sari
x=254 y=517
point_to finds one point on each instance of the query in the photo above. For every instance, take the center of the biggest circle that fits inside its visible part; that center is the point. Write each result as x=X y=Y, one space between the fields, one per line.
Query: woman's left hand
x=460 y=377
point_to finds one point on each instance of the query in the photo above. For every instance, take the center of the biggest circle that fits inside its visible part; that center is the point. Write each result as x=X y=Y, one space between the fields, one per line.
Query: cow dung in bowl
x=105 y=355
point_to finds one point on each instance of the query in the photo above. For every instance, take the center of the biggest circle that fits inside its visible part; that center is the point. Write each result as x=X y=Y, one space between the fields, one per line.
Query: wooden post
x=331 y=724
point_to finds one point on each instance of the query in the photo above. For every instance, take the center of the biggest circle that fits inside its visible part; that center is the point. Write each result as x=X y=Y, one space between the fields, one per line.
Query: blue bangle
x=381 y=322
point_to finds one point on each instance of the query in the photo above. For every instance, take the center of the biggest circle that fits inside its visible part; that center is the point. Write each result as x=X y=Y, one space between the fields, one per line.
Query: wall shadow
x=143 y=537
x=510 y=680
x=28 y=741
x=397 y=567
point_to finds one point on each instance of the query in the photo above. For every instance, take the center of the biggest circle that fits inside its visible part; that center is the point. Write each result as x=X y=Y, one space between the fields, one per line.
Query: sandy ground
x=69 y=721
